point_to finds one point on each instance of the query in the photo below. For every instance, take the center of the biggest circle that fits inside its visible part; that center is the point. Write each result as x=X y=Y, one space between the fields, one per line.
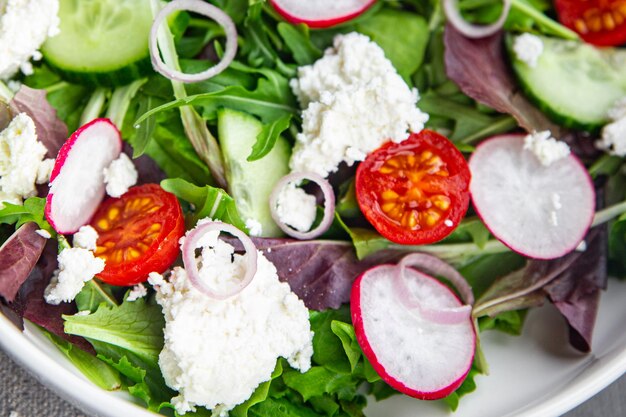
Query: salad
x=251 y=208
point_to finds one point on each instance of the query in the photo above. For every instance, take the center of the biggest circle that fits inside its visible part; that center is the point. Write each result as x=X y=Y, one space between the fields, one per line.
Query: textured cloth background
x=22 y=396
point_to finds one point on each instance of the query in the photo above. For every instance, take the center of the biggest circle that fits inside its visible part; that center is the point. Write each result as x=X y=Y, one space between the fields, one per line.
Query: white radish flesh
x=413 y=354
x=77 y=179
x=320 y=13
x=538 y=211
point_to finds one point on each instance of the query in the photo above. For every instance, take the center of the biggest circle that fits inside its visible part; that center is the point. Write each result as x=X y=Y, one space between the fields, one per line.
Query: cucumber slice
x=102 y=42
x=574 y=83
x=251 y=183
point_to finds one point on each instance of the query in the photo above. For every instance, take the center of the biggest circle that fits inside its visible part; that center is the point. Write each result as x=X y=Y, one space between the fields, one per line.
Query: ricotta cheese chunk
x=528 y=48
x=217 y=352
x=296 y=208
x=546 y=148
x=85 y=238
x=24 y=26
x=76 y=266
x=120 y=175
x=138 y=291
x=354 y=101
x=613 y=139
x=22 y=163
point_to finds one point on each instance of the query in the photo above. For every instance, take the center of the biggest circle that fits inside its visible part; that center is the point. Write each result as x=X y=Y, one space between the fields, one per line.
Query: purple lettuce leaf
x=320 y=272
x=148 y=171
x=479 y=68
x=576 y=291
x=18 y=256
x=51 y=131
x=572 y=282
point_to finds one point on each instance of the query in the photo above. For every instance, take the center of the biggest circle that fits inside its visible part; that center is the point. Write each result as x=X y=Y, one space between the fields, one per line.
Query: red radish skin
x=576 y=185
x=289 y=10
x=385 y=272
x=67 y=218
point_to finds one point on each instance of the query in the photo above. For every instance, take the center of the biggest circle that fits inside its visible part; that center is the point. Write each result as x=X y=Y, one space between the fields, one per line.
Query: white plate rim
x=76 y=389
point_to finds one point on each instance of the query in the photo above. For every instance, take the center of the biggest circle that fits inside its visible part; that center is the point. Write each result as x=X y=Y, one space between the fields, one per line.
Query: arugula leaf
x=299 y=43
x=135 y=326
x=208 y=201
x=345 y=333
x=405 y=48
x=510 y=322
x=31 y=211
x=93 y=294
x=96 y=370
x=268 y=136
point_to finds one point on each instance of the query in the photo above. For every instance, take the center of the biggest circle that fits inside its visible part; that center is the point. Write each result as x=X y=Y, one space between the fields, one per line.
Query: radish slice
x=538 y=211
x=320 y=13
x=451 y=8
x=206 y=10
x=416 y=356
x=193 y=240
x=329 y=204
x=77 y=179
x=436 y=267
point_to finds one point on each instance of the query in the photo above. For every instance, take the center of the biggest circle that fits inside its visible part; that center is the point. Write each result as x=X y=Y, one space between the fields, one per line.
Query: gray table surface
x=22 y=396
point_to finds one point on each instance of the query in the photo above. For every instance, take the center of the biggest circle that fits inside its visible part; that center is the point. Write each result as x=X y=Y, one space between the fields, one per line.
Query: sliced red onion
x=329 y=204
x=451 y=8
x=207 y=10
x=428 y=264
x=191 y=265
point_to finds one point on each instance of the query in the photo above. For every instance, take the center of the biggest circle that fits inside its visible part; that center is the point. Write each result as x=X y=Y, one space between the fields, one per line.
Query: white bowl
x=531 y=375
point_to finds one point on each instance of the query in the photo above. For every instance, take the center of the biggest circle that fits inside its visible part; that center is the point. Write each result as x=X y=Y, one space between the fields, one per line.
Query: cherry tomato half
x=138 y=234
x=414 y=192
x=600 y=22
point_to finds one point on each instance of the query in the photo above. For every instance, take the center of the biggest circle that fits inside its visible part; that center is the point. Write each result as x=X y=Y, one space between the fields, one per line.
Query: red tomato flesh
x=414 y=192
x=600 y=22
x=138 y=234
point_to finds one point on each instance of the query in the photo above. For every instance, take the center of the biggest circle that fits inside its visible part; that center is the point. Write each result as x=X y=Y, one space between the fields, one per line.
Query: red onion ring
x=329 y=204
x=191 y=265
x=207 y=10
x=451 y=8
x=435 y=267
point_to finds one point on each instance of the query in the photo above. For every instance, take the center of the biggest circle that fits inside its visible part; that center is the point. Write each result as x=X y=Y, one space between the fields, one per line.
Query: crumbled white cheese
x=120 y=176
x=21 y=158
x=138 y=291
x=547 y=149
x=83 y=313
x=85 y=238
x=255 y=228
x=618 y=111
x=296 y=208
x=44 y=171
x=613 y=138
x=24 y=26
x=528 y=48
x=76 y=266
x=353 y=101
x=217 y=352
x=43 y=233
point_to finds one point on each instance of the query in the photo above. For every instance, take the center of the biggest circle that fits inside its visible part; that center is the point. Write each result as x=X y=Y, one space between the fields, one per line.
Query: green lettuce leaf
x=208 y=201
x=96 y=370
x=31 y=211
x=135 y=326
